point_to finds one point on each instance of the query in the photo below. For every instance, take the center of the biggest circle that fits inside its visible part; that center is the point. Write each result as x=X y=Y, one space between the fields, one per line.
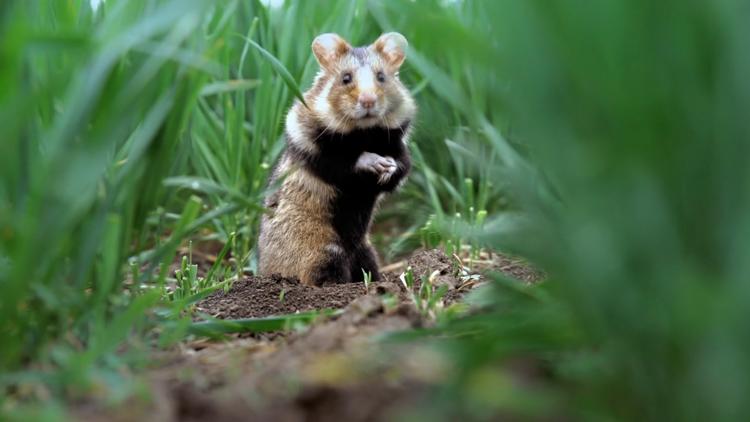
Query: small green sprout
x=367 y=277
x=407 y=278
x=428 y=298
x=187 y=279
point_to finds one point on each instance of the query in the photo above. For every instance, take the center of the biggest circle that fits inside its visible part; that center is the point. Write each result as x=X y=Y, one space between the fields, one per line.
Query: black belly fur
x=357 y=193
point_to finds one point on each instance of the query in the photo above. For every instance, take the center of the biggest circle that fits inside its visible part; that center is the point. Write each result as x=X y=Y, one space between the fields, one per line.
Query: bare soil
x=337 y=369
x=257 y=296
x=263 y=296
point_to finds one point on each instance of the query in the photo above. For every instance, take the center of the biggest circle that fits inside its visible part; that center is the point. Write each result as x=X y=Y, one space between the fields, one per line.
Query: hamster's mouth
x=367 y=115
x=363 y=114
x=366 y=120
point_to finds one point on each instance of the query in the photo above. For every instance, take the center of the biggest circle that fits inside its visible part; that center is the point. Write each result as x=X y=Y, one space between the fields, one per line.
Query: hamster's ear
x=392 y=46
x=328 y=48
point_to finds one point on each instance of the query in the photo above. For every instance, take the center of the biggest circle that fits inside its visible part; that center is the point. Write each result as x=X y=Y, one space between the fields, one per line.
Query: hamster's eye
x=381 y=77
x=346 y=79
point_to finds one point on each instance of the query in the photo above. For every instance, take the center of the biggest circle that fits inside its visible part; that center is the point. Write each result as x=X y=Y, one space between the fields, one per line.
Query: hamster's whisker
x=388 y=126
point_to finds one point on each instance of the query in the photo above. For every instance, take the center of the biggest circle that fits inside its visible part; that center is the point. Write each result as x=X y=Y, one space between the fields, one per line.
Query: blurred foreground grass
x=606 y=142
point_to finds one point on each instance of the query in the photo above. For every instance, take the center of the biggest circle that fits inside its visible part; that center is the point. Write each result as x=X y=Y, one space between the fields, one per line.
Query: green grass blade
x=216 y=327
x=222 y=87
x=280 y=69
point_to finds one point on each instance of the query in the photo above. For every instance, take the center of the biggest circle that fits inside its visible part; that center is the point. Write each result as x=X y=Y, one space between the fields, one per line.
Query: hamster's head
x=358 y=87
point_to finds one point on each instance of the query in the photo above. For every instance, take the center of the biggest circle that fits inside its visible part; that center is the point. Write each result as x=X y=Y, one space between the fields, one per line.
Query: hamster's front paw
x=383 y=167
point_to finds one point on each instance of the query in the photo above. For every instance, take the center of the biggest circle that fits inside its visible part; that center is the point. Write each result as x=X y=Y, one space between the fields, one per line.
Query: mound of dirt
x=426 y=262
x=257 y=296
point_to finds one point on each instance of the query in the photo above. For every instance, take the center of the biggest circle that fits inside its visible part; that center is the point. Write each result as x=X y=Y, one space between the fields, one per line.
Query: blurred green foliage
x=605 y=141
x=632 y=113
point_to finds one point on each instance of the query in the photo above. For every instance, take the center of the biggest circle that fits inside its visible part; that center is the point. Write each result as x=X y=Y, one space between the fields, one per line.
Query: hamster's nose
x=367 y=100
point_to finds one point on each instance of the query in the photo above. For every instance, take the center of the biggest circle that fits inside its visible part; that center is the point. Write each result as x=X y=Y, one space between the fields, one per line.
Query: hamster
x=344 y=151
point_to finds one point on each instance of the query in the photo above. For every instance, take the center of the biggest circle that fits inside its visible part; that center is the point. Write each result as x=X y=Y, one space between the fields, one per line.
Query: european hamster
x=342 y=154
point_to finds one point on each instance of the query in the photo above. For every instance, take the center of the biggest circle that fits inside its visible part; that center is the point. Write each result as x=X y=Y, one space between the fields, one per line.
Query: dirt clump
x=424 y=263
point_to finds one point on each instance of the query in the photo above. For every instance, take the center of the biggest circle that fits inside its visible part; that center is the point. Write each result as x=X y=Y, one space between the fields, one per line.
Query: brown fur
x=299 y=223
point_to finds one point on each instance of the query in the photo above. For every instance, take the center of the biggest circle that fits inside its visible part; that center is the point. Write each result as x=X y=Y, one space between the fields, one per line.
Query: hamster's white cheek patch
x=295 y=132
